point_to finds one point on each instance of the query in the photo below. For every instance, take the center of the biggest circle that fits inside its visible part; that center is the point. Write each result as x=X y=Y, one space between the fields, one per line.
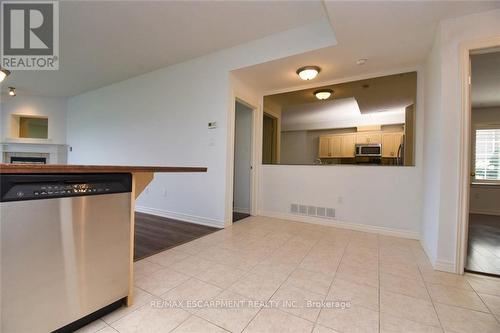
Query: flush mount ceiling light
x=307 y=73
x=3 y=74
x=12 y=91
x=323 y=94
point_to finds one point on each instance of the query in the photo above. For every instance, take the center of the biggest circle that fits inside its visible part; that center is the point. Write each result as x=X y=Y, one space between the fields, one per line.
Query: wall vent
x=321 y=212
x=308 y=210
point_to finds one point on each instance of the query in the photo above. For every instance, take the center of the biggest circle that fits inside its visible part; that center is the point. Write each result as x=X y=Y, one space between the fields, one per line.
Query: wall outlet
x=340 y=200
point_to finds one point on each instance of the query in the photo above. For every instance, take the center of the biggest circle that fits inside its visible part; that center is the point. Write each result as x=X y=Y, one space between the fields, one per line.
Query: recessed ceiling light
x=307 y=73
x=12 y=91
x=360 y=62
x=323 y=94
x=3 y=74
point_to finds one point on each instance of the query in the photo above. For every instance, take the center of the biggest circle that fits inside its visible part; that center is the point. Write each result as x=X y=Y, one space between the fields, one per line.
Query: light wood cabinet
x=391 y=143
x=343 y=145
x=324 y=147
x=348 y=145
x=337 y=146
x=367 y=138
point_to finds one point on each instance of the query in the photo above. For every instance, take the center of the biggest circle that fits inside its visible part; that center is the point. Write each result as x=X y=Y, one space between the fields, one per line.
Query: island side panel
x=139 y=182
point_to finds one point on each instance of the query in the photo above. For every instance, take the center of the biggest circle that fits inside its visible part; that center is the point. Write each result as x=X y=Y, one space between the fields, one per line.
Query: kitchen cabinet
x=348 y=144
x=337 y=146
x=391 y=143
x=324 y=147
x=366 y=138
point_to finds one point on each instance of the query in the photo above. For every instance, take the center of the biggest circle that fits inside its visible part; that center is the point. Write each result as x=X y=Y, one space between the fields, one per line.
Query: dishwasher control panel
x=33 y=187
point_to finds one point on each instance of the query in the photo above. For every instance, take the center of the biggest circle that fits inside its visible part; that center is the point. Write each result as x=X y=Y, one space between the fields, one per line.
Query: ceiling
x=372 y=95
x=485 y=79
x=102 y=42
x=391 y=35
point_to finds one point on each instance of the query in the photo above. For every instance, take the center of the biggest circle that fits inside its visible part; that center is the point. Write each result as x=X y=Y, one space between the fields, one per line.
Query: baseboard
x=428 y=253
x=181 y=217
x=345 y=225
x=445 y=266
x=484 y=212
x=241 y=210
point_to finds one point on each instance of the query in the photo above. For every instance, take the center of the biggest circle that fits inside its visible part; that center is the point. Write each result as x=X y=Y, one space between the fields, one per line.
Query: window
x=487 y=160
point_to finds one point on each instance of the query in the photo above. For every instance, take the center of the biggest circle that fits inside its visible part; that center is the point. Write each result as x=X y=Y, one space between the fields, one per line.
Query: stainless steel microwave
x=369 y=149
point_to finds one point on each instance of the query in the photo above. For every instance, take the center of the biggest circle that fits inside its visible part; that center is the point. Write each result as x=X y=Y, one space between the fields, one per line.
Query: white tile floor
x=387 y=281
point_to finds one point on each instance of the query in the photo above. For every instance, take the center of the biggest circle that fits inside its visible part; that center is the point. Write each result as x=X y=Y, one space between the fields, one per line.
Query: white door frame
x=466 y=49
x=253 y=159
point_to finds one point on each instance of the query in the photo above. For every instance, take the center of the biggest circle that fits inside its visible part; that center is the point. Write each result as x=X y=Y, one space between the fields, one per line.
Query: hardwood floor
x=154 y=234
x=239 y=216
x=483 y=254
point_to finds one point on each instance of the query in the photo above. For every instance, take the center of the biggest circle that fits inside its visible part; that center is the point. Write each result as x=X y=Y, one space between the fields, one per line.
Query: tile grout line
x=282 y=283
x=430 y=297
x=333 y=280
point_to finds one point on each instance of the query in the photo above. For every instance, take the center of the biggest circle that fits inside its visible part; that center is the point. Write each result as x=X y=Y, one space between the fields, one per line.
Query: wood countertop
x=67 y=168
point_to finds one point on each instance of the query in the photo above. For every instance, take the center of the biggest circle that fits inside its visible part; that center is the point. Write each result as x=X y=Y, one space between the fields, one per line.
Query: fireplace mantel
x=57 y=154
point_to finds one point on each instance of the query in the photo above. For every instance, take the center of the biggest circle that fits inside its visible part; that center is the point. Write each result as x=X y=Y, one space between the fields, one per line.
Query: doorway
x=269 y=139
x=483 y=230
x=242 y=185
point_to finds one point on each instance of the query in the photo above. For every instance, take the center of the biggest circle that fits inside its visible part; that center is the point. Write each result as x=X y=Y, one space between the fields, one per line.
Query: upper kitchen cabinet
x=325 y=150
x=348 y=145
x=367 y=138
x=366 y=122
x=392 y=145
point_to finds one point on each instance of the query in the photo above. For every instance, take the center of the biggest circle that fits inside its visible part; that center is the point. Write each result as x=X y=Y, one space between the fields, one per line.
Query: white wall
x=432 y=152
x=161 y=118
x=51 y=107
x=441 y=204
x=384 y=199
x=242 y=158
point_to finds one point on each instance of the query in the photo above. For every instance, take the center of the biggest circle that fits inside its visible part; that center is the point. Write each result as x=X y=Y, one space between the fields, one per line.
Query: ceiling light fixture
x=307 y=73
x=3 y=74
x=323 y=94
x=12 y=91
x=360 y=62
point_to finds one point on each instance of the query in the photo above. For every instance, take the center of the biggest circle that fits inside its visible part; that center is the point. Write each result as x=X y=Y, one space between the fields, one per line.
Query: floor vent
x=323 y=212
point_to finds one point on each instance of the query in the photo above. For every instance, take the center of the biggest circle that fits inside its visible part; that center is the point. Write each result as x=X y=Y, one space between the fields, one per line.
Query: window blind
x=487 y=154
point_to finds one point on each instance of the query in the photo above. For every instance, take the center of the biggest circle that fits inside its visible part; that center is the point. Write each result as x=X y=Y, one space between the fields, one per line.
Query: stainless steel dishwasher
x=65 y=249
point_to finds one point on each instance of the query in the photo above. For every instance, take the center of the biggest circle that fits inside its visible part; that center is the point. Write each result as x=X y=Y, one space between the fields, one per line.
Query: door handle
x=473 y=174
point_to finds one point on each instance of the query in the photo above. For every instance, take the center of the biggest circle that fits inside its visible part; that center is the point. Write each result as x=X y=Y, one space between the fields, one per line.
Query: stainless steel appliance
x=369 y=149
x=369 y=153
x=65 y=248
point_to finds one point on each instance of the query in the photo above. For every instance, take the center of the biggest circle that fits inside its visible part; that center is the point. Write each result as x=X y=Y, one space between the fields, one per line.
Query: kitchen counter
x=68 y=168
x=141 y=177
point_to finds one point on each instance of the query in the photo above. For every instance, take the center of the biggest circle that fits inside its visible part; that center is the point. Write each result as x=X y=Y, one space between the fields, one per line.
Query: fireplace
x=24 y=153
x=28 y=160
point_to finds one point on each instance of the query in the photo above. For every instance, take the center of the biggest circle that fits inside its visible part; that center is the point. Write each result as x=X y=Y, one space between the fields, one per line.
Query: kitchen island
x=47 y=190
